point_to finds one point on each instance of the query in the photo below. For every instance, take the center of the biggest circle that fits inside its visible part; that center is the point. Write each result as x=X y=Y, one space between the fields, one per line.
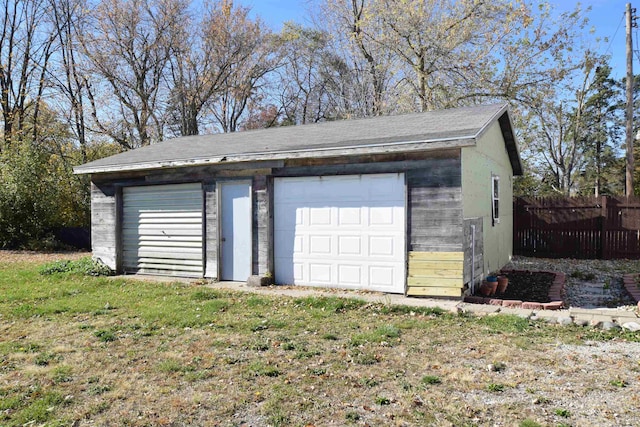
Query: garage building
x=416 y=204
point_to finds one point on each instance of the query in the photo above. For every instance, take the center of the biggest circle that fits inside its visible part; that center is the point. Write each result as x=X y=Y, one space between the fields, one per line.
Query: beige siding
x=489 y=157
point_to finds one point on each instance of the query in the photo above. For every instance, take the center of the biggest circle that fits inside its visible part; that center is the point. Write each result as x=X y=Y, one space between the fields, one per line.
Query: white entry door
x=235 y=233
x=341 y=231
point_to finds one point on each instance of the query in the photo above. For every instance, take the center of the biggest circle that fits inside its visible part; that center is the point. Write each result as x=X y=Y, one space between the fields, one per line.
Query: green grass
x=92 y=350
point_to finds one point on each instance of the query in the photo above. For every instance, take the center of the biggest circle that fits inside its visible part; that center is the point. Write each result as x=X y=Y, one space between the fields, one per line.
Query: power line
x=614 y=34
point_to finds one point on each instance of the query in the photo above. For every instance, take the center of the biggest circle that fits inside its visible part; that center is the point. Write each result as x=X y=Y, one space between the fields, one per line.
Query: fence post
x=604 y=252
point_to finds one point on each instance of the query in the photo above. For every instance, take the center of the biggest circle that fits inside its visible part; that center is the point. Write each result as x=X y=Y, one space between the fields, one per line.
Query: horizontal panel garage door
x=162 y=229
x=342 y=231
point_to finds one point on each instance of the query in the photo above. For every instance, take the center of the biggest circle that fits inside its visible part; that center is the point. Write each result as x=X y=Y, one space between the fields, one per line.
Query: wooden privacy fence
x=604 y=227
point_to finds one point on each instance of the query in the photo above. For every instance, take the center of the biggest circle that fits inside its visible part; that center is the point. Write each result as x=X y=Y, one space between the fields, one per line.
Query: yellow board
x=435 y=281
x=435 y=292
x=449 y=265
x=442 y=271
x=435 y=274
x=437 y=256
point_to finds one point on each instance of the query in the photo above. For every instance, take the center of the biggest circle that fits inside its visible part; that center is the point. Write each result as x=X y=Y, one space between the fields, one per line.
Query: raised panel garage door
x=162 y=230
x=341 y=231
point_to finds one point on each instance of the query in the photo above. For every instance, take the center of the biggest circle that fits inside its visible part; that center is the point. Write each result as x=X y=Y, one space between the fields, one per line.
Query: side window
x=495 y=199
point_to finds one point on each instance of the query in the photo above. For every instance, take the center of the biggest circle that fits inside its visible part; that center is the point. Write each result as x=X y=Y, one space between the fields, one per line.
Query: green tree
x=602 y=137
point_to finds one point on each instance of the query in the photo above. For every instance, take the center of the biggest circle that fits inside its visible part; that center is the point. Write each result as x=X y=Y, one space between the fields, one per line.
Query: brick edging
x=632 y=286
x=555 y=294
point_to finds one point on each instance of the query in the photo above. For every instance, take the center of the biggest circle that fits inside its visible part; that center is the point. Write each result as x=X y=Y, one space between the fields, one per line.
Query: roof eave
x=394 y=147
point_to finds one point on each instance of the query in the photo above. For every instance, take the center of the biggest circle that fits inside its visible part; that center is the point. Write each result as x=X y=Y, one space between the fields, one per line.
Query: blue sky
x=606 y=17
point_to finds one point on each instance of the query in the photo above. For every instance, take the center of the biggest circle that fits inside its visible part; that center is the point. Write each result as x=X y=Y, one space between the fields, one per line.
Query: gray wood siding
x=210 y=230
x=479 y=250
x=434 y=201
x=262 y=214
x=104 y=224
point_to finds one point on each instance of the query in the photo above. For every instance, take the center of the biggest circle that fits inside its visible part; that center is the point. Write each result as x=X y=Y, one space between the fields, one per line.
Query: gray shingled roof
x=409 y=132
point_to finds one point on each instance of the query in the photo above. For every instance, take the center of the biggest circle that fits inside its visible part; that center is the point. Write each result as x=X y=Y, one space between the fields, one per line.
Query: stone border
x=632 y=285
x=555 y=295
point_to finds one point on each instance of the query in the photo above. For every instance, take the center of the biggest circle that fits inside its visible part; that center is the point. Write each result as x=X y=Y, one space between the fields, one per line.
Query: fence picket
x=580 y=227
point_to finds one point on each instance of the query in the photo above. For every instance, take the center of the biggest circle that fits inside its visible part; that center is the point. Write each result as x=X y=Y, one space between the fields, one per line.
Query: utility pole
x=631 y=23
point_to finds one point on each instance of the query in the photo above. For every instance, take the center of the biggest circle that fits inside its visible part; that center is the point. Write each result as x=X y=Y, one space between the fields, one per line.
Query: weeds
x=85 y=266
x=431 y=380
x=618 y=382
x=561 y=412
x=105 y=335
x=495 y=388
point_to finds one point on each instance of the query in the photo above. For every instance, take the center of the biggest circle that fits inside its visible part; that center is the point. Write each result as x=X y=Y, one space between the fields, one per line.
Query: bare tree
x=356 y=28
x=209 y=58
x=68 y=76
x=129 y=48
x=26 y=46
x=311 y=76
x=251 y=45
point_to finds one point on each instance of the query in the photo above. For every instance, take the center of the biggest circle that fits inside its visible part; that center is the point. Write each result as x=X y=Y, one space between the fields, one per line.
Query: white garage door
x=162 y=229
x=341 y=231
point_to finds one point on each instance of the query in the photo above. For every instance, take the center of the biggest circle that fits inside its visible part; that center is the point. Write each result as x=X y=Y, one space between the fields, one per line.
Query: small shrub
x=529 y=423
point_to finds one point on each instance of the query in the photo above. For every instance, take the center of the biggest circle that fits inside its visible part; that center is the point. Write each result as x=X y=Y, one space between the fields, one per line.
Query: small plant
x=369 y=382
x=205 y=295
x=86 y=266
x=288 y=346
x=174 y=366
x=330 y=337
x=105 y=335
x=431 y=379
x=62 y=374
x=580 y=275
x=259 y=369
x=318 y=372
x=495 y=388
x=382 y=401
x=366 y=359
x=97 y=389
x=618 y=382
x=529 y=423
x=352 y=416
x=43 y=359
x=561 y=412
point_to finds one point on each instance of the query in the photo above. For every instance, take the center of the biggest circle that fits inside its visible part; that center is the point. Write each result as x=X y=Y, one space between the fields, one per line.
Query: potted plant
x=503 y=282
x=492 y=281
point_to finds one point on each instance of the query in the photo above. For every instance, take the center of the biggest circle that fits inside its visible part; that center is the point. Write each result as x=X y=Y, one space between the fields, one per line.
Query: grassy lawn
x=82 y=350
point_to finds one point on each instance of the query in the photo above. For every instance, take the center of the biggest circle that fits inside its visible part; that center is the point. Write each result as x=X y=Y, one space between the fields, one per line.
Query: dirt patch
x=7 y=256
x=527 y=286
